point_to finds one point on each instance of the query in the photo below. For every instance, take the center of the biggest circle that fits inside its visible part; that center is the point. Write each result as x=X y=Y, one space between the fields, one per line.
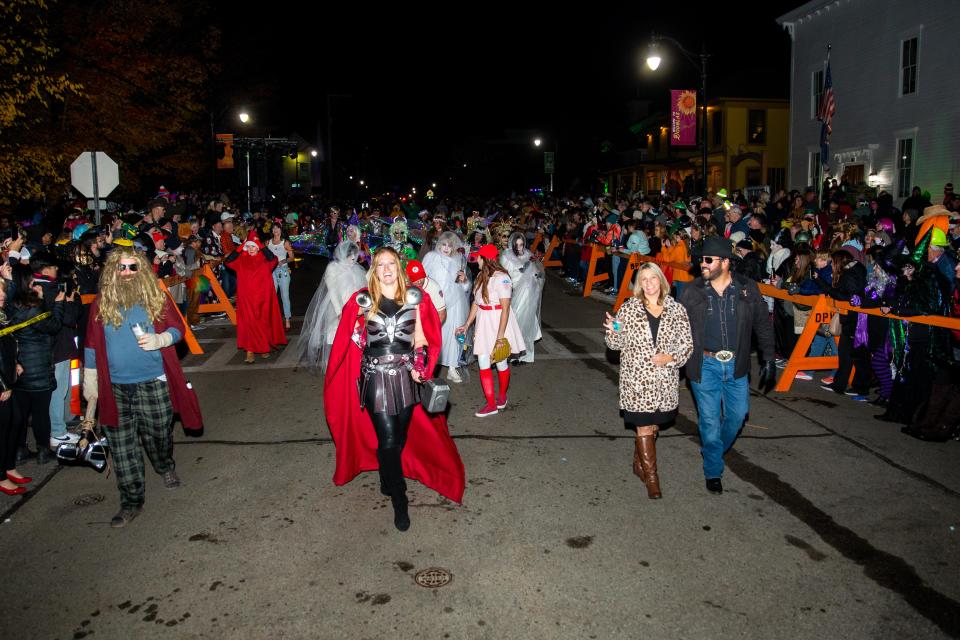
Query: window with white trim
x=904 y=166
x=816 y=93
x=908 y=65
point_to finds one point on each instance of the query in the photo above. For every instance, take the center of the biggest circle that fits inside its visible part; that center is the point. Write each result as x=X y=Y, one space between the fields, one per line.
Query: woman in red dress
x=259 y=325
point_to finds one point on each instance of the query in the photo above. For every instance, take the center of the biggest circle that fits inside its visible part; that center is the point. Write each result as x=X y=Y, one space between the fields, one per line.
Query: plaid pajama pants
x=145 y=415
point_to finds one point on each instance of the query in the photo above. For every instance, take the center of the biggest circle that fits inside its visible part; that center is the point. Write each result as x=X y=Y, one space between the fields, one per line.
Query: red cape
x=259 y=325
x=430 y=455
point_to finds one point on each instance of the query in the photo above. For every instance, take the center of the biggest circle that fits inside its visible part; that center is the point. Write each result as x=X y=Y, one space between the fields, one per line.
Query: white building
x=895 y=67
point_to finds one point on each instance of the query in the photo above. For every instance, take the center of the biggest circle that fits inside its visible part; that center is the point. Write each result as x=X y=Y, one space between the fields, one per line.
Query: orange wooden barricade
x=537 y=239
x=224 y=304
x=548 y=260
x=592 y=278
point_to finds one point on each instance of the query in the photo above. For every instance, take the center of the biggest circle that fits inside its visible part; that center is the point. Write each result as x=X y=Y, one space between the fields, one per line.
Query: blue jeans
x=281 y=281
x=717 y=390
x=228 y=280
x=615 y=273
x=60 y=400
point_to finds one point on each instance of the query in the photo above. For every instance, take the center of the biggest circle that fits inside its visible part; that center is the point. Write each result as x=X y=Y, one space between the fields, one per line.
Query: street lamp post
x=653 y=61
x=538 y=142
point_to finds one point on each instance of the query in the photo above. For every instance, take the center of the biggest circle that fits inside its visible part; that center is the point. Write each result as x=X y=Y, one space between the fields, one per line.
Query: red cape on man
x=259 y=325
x=430 y=455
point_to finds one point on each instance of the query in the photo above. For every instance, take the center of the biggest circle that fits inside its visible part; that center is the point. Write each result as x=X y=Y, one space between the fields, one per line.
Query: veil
x=342 y=277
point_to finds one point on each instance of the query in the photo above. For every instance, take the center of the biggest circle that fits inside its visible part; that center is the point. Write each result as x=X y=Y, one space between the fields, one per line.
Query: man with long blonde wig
x=133 y=372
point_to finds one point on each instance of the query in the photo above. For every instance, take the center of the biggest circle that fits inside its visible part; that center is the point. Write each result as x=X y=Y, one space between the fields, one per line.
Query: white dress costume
x=527 y=276
x=342 y=278
x=442 y=266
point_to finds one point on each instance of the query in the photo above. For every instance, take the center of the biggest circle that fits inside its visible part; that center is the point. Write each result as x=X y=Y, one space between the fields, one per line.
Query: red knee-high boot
x=486 y=383
x=504 y=377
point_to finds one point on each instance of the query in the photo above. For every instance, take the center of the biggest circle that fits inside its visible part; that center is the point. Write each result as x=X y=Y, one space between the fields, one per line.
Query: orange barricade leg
x=224 y=304
x=536 y=242
x=626 y=289
x=548 y=261
x=592 y=278
x=191 y=339
x=820 y=314
x=75 y=388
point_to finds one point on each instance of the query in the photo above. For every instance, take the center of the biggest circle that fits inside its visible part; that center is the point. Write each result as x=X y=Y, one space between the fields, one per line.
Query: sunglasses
x=127 y=267
x=709 y=259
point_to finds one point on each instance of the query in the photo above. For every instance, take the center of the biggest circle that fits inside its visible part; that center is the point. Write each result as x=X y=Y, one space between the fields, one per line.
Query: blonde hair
x=148 y=292
x=373 y=285
x=664 y=285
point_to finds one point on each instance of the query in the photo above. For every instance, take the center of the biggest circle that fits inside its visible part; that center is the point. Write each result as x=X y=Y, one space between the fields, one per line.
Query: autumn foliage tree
x=30 y=87
x=145 y=66
x=128 y=77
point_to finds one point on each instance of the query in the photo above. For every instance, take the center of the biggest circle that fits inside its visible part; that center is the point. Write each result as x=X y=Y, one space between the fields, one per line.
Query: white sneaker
x=453 y=375
x=69 y=438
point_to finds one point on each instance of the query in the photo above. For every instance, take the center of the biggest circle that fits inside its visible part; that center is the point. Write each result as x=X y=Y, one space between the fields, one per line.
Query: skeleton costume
x=443 y=265
x=527 y=276
x=399 y=242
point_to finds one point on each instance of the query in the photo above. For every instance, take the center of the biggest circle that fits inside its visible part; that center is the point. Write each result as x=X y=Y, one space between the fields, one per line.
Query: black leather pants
x=391 y=438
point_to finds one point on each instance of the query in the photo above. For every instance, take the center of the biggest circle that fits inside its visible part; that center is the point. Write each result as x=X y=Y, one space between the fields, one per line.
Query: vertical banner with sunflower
x=683 y=118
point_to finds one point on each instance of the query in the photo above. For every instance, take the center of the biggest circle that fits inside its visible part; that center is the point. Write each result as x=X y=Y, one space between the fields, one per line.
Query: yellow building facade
x=747 y=146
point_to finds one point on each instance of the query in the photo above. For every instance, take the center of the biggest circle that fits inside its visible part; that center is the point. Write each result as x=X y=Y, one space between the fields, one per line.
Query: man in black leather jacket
x=725 y=310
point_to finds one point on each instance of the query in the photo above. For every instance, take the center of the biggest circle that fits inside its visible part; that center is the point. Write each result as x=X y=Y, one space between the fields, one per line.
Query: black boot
x=393 y=484
x=401 y=519
x=23 y=455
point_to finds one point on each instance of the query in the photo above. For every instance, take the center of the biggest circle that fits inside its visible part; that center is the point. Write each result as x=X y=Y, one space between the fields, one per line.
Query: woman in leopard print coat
x=652 y=331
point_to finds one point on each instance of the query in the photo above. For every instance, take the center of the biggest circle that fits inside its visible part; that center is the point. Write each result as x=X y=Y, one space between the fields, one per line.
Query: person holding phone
x=34 y=389
x=47 y=276
x=652 y=332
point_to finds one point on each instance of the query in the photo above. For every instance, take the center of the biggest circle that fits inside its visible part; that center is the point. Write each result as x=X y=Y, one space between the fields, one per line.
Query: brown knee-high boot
x=637 y=466
x=648 y=461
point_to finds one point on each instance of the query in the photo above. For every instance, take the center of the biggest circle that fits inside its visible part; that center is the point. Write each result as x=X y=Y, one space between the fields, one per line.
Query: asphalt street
x=831 y=525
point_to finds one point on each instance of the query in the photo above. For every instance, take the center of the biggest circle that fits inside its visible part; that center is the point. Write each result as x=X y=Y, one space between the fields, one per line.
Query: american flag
x=827 y=105
x=825 y=111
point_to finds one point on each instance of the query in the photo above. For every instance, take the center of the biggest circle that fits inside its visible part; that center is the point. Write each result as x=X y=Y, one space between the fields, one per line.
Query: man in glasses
x=725 y=310
x=131 y=368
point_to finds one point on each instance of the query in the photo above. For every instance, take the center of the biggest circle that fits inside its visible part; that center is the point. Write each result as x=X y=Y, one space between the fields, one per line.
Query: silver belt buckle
x=724 y=356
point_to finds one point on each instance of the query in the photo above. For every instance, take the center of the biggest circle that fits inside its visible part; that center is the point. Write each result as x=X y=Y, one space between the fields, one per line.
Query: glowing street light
x=653 y=56
x=361 y=183
x=537 y=142
x=244 y=117
x=434 y=185
x=313 y=152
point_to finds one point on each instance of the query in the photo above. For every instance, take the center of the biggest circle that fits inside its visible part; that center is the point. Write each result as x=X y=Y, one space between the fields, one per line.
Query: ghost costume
x=442 y=266
x=342 y=278
x=527 y=276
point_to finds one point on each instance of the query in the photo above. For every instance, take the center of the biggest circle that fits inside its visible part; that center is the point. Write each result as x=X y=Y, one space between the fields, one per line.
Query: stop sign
x=82 y=174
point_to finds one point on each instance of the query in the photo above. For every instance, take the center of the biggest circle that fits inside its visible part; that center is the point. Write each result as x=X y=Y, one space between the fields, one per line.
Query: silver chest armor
x=393 y=334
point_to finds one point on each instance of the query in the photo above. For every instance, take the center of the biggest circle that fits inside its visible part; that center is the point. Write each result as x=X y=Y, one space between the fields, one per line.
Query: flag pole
x=820 y=173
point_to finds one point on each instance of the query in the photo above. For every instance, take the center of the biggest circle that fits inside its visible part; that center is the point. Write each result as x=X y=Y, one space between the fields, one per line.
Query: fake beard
x=130 y=290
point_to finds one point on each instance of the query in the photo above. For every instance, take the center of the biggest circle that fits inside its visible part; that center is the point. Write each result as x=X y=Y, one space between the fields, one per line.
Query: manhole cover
x=433 y=578
x=88 y=499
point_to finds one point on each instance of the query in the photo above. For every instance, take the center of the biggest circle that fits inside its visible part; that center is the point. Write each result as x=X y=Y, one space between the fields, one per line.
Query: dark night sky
x=427 y=88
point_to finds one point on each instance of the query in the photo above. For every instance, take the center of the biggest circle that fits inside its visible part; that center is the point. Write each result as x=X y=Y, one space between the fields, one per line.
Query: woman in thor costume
x=388 y=336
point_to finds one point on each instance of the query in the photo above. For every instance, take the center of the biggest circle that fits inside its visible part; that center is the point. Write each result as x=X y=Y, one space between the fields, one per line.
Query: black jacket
x=8 y=362
x=752 y=317
x=36 y=346
x=852 y=282
x=65 y=345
